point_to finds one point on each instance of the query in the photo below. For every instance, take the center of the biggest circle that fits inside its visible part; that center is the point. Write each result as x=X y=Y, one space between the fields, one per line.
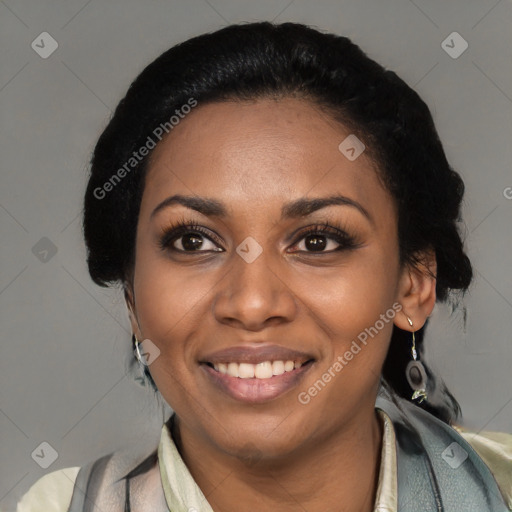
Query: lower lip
x=255 y=391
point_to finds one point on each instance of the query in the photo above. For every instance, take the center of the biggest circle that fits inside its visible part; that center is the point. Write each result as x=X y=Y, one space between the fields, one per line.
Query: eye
x=193 y=242
x=325 y=238
x=187 y=236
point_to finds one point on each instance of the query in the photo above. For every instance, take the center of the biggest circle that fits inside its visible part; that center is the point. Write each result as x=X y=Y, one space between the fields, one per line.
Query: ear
x=417 y=292
x=132 y=312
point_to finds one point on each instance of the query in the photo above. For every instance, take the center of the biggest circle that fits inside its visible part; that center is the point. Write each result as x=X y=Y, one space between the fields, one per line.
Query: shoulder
x=103 y=479
x=430 y=450
x=51 y=493
x=495 y=449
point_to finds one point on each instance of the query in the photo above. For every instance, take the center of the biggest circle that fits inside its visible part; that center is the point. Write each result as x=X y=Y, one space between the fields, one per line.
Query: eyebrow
x=294 y=209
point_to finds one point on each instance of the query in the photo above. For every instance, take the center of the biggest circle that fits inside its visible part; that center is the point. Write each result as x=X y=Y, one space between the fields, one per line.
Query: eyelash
x=185 y=226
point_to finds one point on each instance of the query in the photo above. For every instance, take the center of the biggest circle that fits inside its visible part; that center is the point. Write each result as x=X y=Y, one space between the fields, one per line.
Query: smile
x=256 y=383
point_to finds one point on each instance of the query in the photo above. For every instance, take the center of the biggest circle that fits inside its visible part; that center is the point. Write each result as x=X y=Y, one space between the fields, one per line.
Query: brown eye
x=325 y=238
x=191 y=242
x=188 y=237
x=316 y=242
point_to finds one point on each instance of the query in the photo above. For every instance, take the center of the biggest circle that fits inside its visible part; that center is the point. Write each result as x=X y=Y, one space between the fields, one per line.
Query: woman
x=282 y=217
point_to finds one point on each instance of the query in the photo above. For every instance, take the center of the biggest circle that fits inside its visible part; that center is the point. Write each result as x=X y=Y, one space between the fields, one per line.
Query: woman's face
x=246 y=288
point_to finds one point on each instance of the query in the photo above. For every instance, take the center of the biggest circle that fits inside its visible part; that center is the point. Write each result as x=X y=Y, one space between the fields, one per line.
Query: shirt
x=52 y=492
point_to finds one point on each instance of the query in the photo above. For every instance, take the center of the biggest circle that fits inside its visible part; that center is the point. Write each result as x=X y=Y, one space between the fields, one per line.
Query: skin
x=255 y=157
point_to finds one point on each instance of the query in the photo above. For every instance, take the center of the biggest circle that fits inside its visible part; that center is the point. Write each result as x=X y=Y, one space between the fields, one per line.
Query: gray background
x=65 y=342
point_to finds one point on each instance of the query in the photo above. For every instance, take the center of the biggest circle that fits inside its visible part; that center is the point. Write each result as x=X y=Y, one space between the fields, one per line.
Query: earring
x=138 y=355
x=415 y=373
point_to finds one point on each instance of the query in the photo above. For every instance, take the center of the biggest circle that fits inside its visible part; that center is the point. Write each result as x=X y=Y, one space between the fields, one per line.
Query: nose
x=253 y=295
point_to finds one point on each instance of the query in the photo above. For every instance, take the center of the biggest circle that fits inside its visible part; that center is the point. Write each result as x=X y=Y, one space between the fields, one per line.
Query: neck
x=338 y=472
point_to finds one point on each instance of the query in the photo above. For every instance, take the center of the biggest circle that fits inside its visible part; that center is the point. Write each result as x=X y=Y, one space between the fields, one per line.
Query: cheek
x=353 y=304
x=170 y=303
x=352 y=297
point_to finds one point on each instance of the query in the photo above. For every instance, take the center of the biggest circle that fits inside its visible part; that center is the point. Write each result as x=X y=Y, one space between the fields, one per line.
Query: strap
x=426 y=480
x=87 y=483
x=113 y=479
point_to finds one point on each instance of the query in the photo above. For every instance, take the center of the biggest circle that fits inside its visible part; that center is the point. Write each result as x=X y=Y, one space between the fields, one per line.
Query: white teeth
x=233 y=370
x=278 y=367
x=289 y=366
x=263 y=370
x=245 y=370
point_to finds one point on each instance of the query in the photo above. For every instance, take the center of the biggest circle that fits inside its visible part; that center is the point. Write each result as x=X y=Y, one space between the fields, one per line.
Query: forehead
x=260 y=152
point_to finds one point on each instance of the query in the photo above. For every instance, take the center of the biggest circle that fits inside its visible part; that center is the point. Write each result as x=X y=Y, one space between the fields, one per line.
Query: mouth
x=256 y=383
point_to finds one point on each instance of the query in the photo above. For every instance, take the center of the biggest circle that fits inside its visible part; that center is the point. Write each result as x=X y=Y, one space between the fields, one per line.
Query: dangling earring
x=138 y=355
x=415 y=373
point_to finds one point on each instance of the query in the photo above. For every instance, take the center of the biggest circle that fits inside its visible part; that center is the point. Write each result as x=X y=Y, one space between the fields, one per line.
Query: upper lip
x=255 y=355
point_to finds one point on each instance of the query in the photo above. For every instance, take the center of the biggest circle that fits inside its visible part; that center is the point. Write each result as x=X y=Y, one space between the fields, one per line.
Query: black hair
x=261 y=60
